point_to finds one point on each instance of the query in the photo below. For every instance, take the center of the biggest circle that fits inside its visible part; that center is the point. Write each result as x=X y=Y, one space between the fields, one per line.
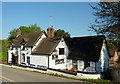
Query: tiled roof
x=111 y=52
x=47 y=46
x=30 y=39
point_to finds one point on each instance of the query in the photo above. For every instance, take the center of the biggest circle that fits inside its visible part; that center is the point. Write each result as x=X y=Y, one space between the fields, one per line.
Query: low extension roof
x=47 y=46
x=85 y=48
x=111 y=52
x=30 y=39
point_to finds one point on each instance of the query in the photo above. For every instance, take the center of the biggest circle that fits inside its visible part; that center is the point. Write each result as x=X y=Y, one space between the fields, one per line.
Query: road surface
x=17 y=75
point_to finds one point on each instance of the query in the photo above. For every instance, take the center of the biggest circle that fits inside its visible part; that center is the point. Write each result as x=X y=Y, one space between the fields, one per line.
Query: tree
x=107 y=20
x=24 y=30
x=60 y=32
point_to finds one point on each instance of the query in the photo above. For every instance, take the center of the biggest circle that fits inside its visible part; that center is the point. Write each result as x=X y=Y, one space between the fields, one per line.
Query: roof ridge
x=38 y=37
x=31 y=33
x=90 y=36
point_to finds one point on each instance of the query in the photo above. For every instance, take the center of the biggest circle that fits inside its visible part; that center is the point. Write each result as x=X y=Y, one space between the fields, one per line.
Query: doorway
x=28 y=60
x=14 y=60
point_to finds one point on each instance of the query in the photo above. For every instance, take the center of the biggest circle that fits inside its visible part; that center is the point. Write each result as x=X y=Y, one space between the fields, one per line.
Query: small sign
x=103 y=44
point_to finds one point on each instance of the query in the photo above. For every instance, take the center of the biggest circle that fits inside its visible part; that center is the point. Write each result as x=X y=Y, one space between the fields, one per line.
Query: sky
x=73 y=17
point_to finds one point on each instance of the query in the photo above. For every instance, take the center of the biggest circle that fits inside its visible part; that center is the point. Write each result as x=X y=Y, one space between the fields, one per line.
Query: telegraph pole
x=50 y=19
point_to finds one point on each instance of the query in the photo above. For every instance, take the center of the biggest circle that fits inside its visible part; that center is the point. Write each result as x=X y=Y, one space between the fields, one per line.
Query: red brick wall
x=5 y=62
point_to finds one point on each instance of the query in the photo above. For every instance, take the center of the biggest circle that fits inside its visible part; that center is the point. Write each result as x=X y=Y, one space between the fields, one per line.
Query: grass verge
x=86 y=80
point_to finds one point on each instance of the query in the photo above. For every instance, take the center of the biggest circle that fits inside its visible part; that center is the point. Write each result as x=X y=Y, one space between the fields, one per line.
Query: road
x=17 y=75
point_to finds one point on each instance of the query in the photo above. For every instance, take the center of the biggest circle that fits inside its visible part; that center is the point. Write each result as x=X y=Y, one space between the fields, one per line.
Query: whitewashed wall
x=43 y=36
x=19 y=53
x=52 y=64
x=90 y=68
x=41 y=60
x=103 y=63
x=13 y=51
x=27 y=51
x=88 y=76
x=69 y=64
x=80 y=65
x=98 y=66
x=10 y=55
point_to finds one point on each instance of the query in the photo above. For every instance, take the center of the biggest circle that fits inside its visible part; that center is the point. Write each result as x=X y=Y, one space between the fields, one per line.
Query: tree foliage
x=24 y=30
x=60 y=32
x=107 y=20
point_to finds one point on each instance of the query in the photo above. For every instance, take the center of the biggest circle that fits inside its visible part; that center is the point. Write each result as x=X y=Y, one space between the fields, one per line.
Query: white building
x=41 y=50
x=88 y=54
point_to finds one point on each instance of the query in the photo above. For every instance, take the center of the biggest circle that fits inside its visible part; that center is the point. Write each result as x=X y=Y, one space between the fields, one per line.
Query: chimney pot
x=50 y=32
x=51 y=26
x=18 y=32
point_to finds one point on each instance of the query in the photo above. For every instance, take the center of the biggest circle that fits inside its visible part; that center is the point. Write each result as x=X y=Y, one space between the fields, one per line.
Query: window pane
x=28 y=60
x=23 y=57
x=60 y=61
x=61 y=51
x=54 y=57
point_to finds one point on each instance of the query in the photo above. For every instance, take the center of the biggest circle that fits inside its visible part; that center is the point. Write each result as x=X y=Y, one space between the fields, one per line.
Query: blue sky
x=73 y=17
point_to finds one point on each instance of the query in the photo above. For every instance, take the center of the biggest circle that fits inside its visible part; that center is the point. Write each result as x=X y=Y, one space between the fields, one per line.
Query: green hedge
x=3 y=56
x=3 y=49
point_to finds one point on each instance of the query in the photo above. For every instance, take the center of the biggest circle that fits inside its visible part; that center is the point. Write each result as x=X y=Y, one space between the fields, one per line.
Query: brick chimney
x=50 y=32
x=18 y=32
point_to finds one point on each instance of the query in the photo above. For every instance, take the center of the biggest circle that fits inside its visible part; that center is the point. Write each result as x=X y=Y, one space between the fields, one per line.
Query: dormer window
x=23 y=42
x=22 y=47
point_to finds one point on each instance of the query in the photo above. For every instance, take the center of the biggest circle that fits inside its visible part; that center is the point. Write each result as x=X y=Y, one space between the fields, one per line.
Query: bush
x=3 y=56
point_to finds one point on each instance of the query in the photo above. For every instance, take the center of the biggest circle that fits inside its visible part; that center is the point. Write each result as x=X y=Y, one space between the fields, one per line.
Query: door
x=14 y=60
x=28 y=60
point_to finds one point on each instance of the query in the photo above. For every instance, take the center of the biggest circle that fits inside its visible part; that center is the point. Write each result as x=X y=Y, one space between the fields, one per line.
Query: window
x=11 y=48
x=60 y=61
x=54 y=57
x=23 y=42
x=23 y=48
x=26 y=48
x=86 y=64
x=23 y=57
x=62 y=41
x=28 y=60
x=61 y=51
